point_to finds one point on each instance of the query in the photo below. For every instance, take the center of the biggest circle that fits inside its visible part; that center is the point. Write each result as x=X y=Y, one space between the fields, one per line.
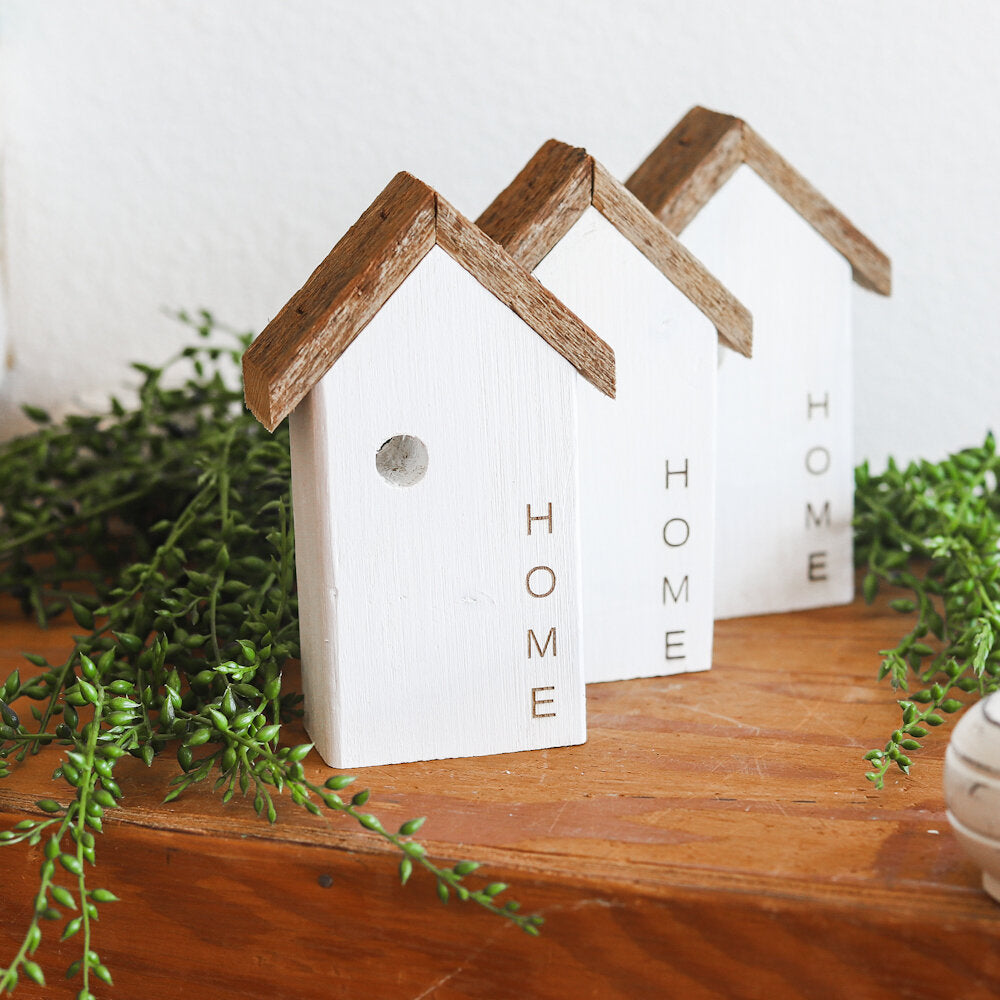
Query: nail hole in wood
x=402 y=460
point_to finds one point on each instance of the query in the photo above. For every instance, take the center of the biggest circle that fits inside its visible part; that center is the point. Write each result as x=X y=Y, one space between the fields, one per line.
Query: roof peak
x=557 y=185
x=705 y=148
x=373 y=258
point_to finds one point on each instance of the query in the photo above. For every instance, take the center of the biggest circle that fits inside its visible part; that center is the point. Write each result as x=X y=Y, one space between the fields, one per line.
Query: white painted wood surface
x=414 y=600
x=785 y=458
x=647 y=541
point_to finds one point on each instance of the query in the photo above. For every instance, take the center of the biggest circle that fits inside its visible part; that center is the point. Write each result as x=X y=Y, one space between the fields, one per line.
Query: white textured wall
x=177 y=153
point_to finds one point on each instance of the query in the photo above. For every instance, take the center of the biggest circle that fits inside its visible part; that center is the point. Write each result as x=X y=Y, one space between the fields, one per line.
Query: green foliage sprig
x=165 y=529
x=934 y=530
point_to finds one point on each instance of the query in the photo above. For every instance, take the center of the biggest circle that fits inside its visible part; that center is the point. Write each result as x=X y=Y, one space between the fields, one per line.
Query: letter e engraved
x=540 y=517
x=818 y=520
x=542 y=650
x=680 y=533
x=818 y=460
x=817 y=567
x=540 y=569
x=675 y=645
x=812 y=404
x=682 y=589
x=677 y=472
x=536 y=701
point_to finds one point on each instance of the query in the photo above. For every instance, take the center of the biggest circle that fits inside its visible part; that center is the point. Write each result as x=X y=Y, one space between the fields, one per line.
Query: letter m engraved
x=542 y=650
x=682 y=589
x=818 y=520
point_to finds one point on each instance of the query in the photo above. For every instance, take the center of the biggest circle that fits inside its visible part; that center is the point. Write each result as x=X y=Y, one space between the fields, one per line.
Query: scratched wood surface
x=714 y=838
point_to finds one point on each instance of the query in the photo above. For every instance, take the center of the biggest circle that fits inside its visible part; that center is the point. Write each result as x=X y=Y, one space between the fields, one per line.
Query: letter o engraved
x=540 y=569
x=683 y=529
x=817 y=466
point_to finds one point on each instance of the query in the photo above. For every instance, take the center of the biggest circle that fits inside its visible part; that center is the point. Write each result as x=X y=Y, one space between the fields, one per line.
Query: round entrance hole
x=402 y=460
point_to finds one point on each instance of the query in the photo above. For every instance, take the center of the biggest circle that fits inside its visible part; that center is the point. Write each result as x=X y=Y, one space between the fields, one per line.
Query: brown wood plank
x=703 y=151
x=634 y=221
x=714 y=838
x=536 y=210
x=699 y=154
x=498 y=272
x=871 y=268
x=299 y=346
x=547 y=197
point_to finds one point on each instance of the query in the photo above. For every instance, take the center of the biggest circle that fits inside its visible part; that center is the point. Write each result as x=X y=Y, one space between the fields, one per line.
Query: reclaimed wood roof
x=703 y=151
x=541 y=204
x=300 y=345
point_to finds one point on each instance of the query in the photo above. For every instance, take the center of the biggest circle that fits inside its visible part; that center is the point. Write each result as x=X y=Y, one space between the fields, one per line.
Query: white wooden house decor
x=785 y=461
x=434 y=478
x=646 y=457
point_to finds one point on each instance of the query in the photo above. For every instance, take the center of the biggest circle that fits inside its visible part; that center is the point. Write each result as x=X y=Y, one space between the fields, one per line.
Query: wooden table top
x=715 y=837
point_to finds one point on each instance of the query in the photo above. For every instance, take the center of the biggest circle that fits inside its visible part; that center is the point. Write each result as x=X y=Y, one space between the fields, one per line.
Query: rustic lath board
x=704 y=150
x=341 y=296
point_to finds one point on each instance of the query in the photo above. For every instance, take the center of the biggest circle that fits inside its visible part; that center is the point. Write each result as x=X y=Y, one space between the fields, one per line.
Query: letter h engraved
x=677 y=472
x=540 y=517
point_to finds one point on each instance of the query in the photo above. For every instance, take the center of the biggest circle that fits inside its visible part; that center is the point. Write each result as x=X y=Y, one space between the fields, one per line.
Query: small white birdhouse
x=647 y=479
x=785 y=458
x=434 y=480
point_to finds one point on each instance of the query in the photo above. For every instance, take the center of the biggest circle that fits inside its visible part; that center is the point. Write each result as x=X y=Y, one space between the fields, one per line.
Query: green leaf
x=405 y=870
x=103 y=896
x=71 y=863
x=33 y=971
x=63 y=896
x=49 y=806
x=411 y=826
x=300 y=752
x=339 y=782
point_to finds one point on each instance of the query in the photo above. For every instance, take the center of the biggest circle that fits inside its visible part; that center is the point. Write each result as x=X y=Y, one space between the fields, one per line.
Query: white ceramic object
x=972 y=787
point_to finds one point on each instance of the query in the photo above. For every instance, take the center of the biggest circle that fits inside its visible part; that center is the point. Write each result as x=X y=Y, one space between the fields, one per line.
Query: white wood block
x=647 y=537
x=785 y=450
x=437 y=620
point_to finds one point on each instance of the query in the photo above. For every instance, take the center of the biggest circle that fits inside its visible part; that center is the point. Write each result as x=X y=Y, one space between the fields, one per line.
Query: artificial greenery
x=934 y=529
x=164 y=529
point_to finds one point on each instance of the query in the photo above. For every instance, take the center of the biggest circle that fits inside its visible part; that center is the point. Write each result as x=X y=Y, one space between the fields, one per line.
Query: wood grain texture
x=341 y=296
x=497 y=271
x=533 y=213
x=315 y=327
x=633 y=220
x=696 y=158
x=715 y=838
x=870 y=266
x=539 y=206
x=704 y=149
x=420 y=636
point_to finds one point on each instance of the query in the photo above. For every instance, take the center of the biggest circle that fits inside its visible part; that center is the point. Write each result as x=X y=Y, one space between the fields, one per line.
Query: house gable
x=705 y=149
x=544 y=201
x=363 y=270
x=416 y=600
